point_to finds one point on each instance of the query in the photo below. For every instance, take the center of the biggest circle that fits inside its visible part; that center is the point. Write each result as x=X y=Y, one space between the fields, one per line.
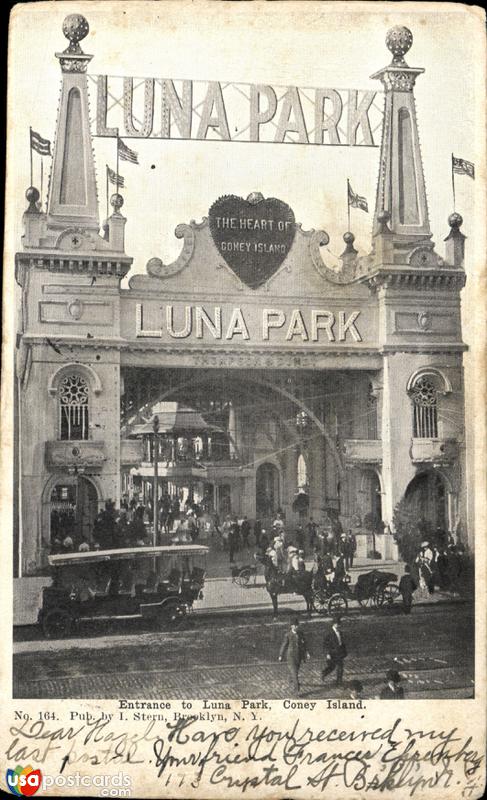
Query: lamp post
x=155 y=489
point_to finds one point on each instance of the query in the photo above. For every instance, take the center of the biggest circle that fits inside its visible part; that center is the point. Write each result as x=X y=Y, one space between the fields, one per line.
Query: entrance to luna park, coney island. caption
x=249 y=379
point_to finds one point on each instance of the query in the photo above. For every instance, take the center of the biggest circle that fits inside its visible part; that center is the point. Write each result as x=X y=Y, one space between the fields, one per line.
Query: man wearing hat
x=392 y=691
x=335 y=652
x=295 y=648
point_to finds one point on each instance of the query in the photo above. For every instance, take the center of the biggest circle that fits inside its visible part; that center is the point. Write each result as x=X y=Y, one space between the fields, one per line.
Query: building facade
x=331 y=393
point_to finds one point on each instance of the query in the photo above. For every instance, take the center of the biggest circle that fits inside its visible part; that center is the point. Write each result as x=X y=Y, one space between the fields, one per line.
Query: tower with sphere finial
x=72 y=191
x=401 y=195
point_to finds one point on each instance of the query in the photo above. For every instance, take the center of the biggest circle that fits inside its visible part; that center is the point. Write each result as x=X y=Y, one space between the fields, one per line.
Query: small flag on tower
x=40 y=145
x=126 y=154
x=462 y=167
x=355 y=201
x=117 y=180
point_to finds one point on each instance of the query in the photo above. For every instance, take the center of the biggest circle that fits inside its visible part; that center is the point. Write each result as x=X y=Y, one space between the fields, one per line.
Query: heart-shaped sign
x=254 y=236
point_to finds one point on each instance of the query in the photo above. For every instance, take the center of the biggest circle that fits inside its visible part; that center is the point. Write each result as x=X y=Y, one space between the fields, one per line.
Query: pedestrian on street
x=340 y=570
x=407 y=586
x=233 y=539
x=295 y=649
x=311 y=530
x=245 y=531
x=335 y=652
x=392 y=690
x=344 y=550
x=300 y=537
x=257 y=532
x=352 y=547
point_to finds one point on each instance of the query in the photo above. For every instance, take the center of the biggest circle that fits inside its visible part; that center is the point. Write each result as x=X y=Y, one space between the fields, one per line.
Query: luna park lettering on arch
x=227 y=323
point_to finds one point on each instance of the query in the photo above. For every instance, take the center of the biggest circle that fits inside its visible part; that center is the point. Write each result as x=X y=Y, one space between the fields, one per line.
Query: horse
x=293 y=582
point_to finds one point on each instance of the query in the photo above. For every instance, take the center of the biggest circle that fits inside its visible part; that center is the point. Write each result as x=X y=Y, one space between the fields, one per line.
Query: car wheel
x=56 y=623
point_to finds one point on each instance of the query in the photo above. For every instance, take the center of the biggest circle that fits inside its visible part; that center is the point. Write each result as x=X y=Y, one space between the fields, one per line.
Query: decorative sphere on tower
x=455 y=220
x=116 y=201
x=348 y=237
x=75 y=28
x=399 y=40
x=32 y=194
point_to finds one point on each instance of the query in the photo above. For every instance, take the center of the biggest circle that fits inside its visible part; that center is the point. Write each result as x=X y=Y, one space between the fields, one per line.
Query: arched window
x=425 y=409
x=73 y=407
x=302 y=472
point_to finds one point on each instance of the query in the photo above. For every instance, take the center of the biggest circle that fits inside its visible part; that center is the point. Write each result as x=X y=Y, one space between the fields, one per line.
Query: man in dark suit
x=295 y=648
x=335 y=652
x=392 y=691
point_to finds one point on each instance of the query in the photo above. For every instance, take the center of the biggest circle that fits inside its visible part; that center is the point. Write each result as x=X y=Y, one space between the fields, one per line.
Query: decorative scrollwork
x=155 y=266
x=345 y=275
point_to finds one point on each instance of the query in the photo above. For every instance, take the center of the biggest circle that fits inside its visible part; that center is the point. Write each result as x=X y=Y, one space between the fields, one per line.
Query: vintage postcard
x=243 y=401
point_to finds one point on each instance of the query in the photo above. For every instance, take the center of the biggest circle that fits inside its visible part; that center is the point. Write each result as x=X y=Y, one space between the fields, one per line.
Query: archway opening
x=426 y=498
x=73 y=506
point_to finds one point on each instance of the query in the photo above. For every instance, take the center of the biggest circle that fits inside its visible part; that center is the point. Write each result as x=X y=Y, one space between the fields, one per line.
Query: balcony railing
x=434 y=451
x=75 y=454
x=362 y=451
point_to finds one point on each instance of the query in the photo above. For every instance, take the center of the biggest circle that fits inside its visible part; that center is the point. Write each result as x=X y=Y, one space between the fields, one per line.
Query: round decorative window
x=73 y=391
x=424 y=392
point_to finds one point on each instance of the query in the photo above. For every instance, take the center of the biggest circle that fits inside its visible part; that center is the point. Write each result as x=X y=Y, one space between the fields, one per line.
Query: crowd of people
x=437 y=565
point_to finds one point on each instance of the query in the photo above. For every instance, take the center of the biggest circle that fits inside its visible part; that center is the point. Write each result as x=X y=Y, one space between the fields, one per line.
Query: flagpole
x=453 y=181
x=42 y=179
x=348 y=202
x=117 y=159
x=108 y=188
x=30 y=145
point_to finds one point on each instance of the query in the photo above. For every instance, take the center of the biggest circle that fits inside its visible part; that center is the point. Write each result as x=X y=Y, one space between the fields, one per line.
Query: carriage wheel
x=175 y=613
x=320 y=602
x=337 y=604
x=365 y=601
x=243 y=577
x=390 y=593
x=56 y=623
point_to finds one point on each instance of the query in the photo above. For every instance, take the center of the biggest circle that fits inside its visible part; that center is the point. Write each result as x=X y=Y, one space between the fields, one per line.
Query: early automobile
x=159 y=583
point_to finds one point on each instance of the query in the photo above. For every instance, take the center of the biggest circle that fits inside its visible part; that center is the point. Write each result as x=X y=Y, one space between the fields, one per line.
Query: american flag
x=462 y=167
x=126 y=154
x=117 y=180
x=40 y=145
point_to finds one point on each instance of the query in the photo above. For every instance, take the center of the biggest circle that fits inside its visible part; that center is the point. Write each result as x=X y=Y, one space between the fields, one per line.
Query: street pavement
x=236 y=656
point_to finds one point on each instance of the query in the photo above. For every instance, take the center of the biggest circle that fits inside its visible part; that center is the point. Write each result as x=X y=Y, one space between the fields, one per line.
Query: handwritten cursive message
x=301 y=759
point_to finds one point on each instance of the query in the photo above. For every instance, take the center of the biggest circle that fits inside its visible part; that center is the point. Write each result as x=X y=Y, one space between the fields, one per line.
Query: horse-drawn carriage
x=374 y=588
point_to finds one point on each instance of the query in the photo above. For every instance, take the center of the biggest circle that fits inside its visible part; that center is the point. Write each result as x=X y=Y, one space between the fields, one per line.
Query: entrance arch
x=267 y=488
x=427 y=497
x=196 y=380
x=69 y=507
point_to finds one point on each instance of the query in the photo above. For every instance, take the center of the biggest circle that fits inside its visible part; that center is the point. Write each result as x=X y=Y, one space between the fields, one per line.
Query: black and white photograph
x=244 y=346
